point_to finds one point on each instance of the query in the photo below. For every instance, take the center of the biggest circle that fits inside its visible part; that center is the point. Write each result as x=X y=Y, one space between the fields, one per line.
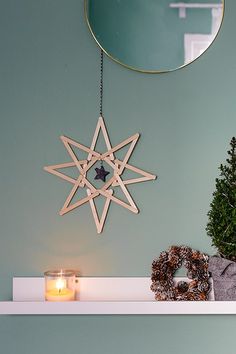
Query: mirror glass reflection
x=154 y=35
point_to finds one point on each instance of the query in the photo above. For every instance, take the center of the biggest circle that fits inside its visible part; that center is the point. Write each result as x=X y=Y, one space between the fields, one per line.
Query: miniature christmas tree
x=221 y=226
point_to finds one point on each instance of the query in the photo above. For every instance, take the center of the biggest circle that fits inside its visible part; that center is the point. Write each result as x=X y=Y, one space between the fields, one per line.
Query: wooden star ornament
x=108 y=188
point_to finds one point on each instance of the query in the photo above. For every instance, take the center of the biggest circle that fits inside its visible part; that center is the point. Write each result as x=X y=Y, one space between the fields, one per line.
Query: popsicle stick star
x=84 y=165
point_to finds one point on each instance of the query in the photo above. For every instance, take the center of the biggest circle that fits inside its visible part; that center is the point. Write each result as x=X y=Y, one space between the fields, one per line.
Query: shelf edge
x=118 y=308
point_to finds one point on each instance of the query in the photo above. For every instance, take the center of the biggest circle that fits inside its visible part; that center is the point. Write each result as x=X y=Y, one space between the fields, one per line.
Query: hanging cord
x=101 y=85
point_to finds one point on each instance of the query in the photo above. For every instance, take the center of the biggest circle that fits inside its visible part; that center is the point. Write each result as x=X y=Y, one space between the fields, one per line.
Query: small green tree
x=221 y=225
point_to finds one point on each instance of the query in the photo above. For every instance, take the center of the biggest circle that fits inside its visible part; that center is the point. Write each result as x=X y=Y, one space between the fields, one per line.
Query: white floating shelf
x=119 y=308
x=106 y=296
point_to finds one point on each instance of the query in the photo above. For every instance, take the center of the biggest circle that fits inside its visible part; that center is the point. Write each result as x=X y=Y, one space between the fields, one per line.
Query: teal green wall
x=48 y=87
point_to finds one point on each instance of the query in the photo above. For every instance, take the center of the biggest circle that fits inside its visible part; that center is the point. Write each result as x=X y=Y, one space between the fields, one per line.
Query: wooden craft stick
x=106 y=137
x=68 y=141
x=89 y=165
x=72 y=154
x=99 y=223
x=146 y=176
x=105 y=210
x=53 y=170
x=109 y=162
x=63 y=165
x=137 y=170
x=120 y=146
x=127 y=156
x=100 y=126
x=108 y=183
x=89 y=185
x=131 y=181
x=59 y=174
x=119 y=201
x=125 y=191
x=94 y=211
x=71 y=195
x=66 y=208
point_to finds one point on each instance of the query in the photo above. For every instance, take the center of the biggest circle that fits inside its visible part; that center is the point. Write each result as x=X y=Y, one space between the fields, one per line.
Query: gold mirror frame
x=147 y=71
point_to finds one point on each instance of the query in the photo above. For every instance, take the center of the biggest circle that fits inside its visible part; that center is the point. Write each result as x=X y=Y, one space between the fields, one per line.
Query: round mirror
x=154 y=35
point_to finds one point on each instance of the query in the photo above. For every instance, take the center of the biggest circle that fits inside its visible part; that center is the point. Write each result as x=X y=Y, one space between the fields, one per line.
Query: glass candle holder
x=60 y=285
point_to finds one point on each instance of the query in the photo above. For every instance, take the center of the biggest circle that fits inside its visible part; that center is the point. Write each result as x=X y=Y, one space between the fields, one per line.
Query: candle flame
x=60 y=284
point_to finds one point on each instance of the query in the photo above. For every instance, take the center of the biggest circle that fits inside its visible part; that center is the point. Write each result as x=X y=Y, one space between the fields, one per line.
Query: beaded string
x=101 y=85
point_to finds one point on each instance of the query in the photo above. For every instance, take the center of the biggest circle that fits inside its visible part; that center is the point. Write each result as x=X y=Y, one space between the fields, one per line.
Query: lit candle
x=60 y=285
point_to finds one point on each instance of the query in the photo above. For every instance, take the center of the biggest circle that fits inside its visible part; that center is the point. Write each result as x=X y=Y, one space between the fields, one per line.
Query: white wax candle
x=60 y=295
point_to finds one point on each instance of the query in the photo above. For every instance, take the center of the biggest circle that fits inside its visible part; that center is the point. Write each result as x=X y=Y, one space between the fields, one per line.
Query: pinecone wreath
x=164 y=268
